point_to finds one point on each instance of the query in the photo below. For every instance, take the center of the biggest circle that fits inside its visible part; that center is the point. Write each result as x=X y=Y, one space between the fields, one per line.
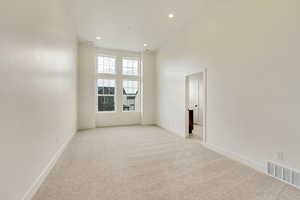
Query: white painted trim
x=147 y=123
x=111 y=125
x=260 y=167
x=204 y=106
x=235 y=156
x=41 y=178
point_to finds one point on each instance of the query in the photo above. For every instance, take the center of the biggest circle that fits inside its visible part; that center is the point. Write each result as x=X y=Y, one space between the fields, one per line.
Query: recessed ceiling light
x=98 y=38
x=171 y=15
x=145 y=45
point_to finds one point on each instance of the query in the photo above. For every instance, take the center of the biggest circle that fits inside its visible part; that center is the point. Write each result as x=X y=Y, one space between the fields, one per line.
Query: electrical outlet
x=280 y=156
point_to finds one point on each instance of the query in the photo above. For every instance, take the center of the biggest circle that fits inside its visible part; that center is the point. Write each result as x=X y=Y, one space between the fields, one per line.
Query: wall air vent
x=284 y=174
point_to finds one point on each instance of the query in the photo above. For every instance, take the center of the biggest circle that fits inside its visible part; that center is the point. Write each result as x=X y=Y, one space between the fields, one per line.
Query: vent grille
x=284 y=174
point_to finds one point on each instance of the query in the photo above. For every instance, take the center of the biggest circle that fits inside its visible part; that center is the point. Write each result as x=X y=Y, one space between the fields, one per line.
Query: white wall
x=88 y=117
x=86 y=89
x=251 y=52
x=37 y=90
x=148 y=88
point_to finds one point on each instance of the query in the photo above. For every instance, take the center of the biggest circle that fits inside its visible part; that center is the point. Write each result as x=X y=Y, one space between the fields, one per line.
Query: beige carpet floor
x=148 y=163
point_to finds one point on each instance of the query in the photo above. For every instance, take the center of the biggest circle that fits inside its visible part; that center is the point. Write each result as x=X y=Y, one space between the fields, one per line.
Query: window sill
x=134 y=111
x=105 y=112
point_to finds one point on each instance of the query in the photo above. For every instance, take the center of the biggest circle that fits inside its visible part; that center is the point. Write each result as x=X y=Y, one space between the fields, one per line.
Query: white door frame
x=204 y=113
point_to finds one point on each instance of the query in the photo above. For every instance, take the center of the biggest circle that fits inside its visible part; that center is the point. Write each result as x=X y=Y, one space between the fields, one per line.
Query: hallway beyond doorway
x=197 y=132
x=195 y=103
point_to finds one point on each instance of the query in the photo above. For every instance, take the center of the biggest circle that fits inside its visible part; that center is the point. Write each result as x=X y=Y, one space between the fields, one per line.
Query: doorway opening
x=196 y=106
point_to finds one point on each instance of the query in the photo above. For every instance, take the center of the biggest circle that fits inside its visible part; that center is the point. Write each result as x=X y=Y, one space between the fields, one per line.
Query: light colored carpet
x=148 y=163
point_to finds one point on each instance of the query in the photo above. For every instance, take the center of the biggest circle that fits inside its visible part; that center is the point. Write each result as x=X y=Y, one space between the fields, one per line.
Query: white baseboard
x=234 y=156
x=40 y=179
x=261 y=167
x=175 y=133
x=148 y=123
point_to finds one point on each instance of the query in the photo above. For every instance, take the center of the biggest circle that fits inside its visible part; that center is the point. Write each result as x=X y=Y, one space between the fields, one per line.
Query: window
x=130 y=66
x=106 y=65
x=117 y=81
x=106 y=90
x=130 y=92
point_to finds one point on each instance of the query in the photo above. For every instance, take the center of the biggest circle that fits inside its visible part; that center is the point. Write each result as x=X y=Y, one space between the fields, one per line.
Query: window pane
x=100 y=90
x=130 y=92
x=111 y=90
x=106 y=83
x=106 y=94
x=106 y=90
x=130 y=67
x=106 y=64
x=106 y=103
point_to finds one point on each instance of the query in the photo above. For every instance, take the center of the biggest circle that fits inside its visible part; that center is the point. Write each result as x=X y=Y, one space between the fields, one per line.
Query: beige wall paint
x=86 y=92
x=88 y=117
x=148 y=88
x=37 y=90
x=251 y=52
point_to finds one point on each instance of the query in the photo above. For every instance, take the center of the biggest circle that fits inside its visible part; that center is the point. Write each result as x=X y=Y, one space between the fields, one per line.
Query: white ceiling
x=128 y=24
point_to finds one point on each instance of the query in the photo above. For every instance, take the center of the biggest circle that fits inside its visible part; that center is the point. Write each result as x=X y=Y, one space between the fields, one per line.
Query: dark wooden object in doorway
x=191 y=121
